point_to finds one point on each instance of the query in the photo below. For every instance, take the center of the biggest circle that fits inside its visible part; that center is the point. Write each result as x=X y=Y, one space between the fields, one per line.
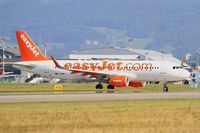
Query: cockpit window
x=177 y=67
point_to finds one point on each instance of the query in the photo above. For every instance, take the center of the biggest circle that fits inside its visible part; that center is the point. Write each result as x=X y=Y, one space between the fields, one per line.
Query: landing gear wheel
x=165 y=88
x=99 y=86
x=110 y=87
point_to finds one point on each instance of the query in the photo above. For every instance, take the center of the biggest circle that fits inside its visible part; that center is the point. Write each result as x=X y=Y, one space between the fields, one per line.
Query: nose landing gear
x=165 y=88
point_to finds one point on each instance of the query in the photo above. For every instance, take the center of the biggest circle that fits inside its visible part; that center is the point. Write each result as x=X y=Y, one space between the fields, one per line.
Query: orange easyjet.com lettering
x=110 y=66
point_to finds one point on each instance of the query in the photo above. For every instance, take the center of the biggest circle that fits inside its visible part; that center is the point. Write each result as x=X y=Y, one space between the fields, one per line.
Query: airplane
x=116 y=73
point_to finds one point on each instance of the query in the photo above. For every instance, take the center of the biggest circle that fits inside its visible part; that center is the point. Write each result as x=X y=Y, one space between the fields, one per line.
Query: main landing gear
x=110 y=87
x=100 y=86
x=165 y=88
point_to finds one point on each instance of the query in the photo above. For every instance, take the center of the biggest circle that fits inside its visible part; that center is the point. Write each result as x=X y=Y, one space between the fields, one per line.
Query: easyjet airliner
x=117 y=73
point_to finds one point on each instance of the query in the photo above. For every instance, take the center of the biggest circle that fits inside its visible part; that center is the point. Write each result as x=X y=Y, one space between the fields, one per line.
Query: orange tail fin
x=28 y=49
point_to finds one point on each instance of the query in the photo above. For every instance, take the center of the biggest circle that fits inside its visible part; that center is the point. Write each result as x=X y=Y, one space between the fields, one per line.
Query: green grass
x=144 y=116
x=82 y=87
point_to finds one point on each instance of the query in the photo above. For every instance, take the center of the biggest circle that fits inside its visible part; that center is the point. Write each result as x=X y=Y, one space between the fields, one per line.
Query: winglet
x=57 y=65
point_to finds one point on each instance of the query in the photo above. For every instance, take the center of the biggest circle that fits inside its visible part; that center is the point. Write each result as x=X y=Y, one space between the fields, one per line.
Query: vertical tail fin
x=28 y=49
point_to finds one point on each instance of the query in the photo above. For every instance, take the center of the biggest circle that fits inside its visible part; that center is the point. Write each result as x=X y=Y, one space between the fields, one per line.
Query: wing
x=83 y=72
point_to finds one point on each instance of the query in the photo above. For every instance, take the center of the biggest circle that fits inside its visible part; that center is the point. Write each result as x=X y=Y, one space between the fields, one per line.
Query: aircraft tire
x=110 y=87
x=99 y=86
x=165 y=89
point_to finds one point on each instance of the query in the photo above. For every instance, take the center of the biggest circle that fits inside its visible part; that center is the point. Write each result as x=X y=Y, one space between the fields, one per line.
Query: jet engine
x=119 y=81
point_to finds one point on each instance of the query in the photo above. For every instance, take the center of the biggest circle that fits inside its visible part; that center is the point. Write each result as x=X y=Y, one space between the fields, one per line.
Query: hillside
x=66 y=25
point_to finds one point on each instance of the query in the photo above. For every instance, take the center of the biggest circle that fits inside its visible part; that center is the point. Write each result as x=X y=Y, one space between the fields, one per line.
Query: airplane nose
x=186 y=74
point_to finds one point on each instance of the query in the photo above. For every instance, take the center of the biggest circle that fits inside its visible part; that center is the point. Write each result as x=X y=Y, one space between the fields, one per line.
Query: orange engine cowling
x=136 y=83
x=119 y=81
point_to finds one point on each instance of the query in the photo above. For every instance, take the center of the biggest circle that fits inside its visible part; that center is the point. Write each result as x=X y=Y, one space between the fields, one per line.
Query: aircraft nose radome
x=189 y=74
x=186 y=74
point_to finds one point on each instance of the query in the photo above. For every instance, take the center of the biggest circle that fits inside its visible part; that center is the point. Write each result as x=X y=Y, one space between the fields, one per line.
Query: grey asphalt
x=6 y=98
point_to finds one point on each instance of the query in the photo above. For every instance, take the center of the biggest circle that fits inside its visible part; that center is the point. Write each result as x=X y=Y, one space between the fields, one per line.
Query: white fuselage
x=134 y=70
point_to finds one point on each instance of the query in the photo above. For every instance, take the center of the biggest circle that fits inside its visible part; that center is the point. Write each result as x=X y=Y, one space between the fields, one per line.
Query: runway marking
x=95 y=97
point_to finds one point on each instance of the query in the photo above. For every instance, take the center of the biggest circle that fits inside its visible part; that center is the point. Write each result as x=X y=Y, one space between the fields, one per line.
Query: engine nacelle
x=119 y=81
x=136 y=83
